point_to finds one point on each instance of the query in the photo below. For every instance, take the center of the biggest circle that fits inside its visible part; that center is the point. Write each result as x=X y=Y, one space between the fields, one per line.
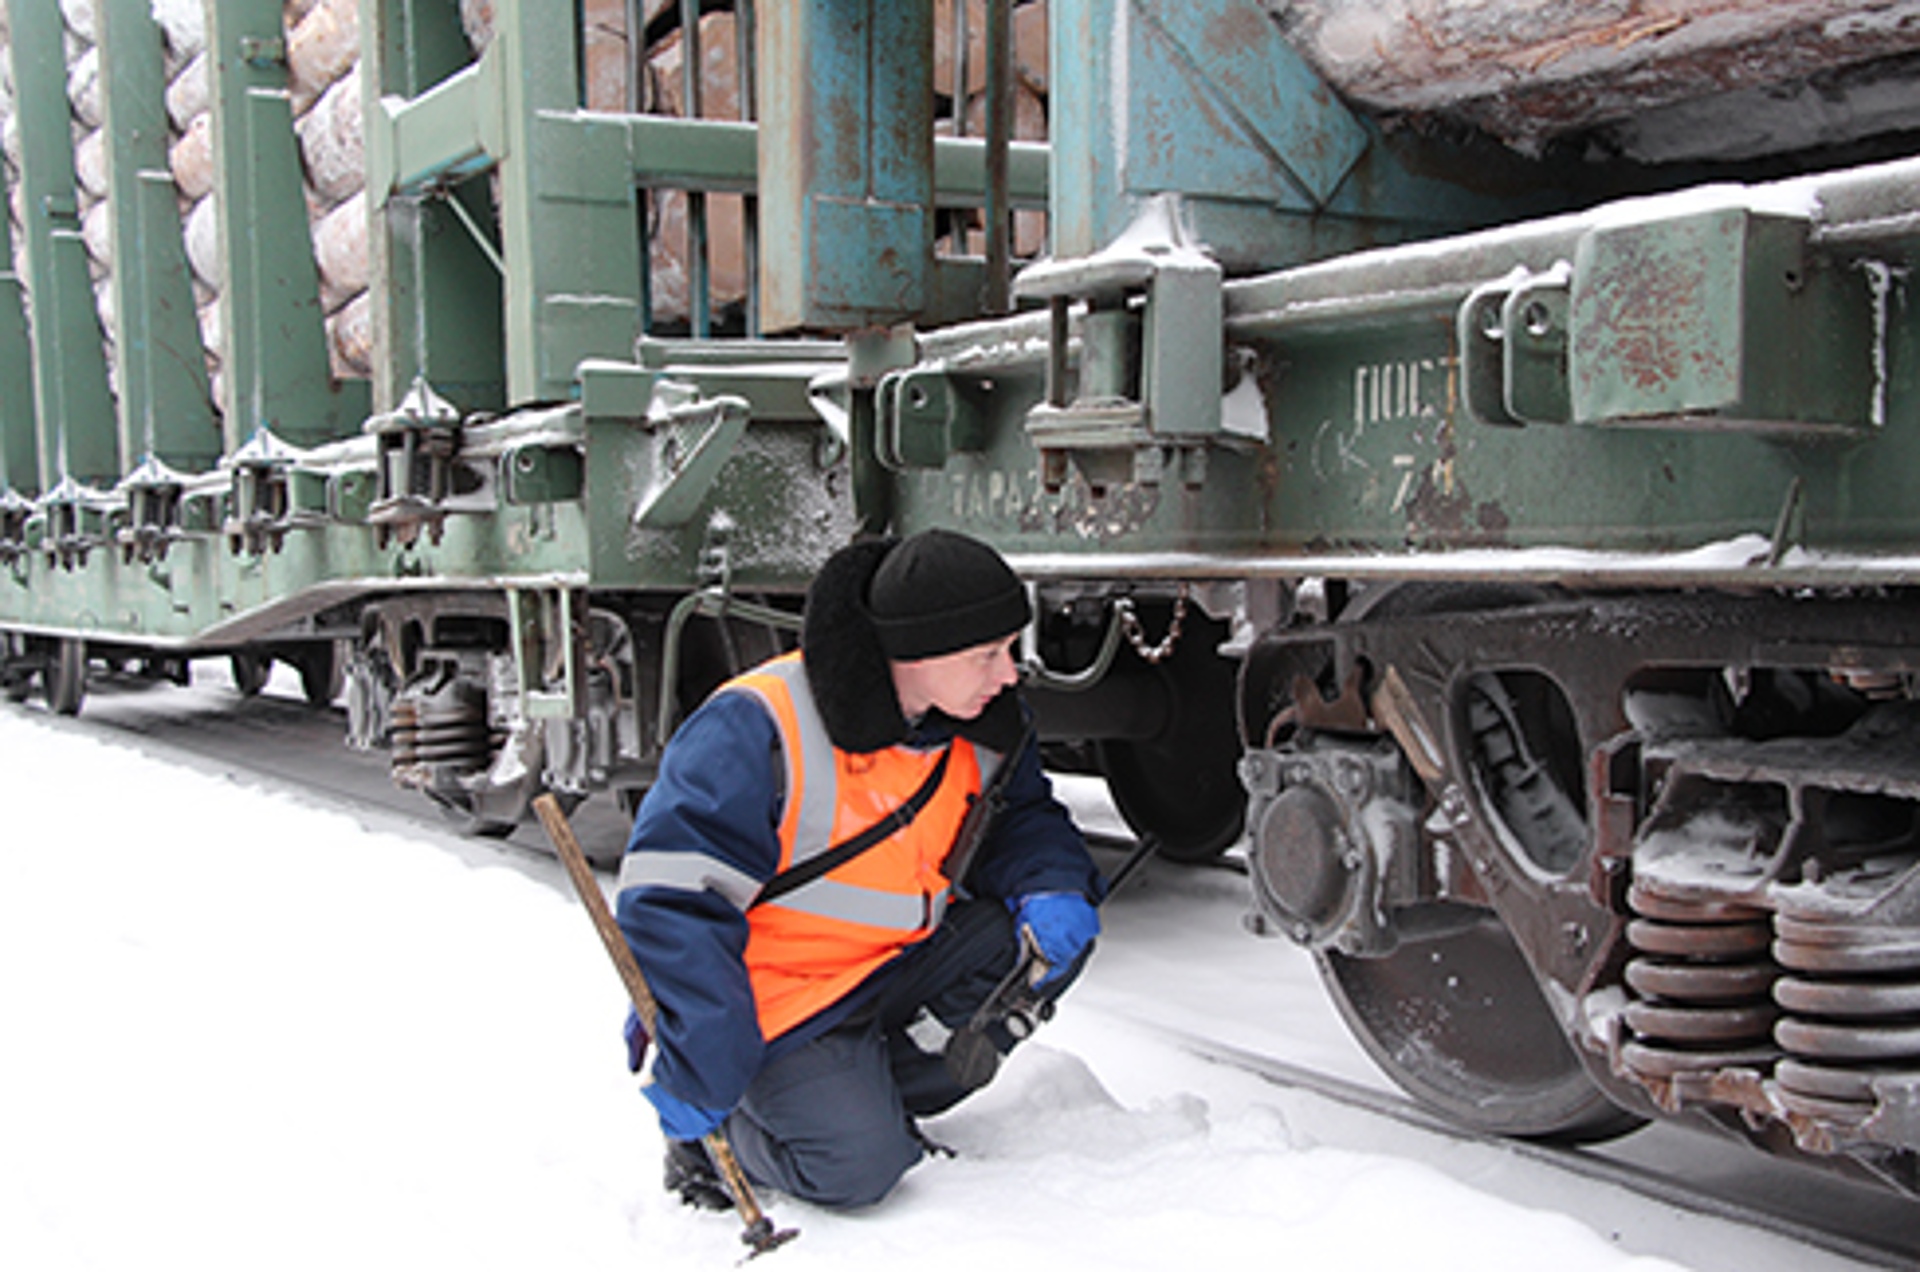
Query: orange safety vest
x=813 y=945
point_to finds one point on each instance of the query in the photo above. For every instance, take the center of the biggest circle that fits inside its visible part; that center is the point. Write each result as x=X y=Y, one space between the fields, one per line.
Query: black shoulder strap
x=846 y=850
x=981 y=811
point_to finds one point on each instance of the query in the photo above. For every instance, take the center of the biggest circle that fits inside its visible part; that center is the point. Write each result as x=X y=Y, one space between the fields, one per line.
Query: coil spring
x=1852 y=994
x=1703 y=975
x=440 y=731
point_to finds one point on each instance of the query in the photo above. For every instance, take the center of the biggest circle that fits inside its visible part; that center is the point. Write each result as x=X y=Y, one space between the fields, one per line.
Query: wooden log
x=321 y=49
x=1526 y=70
x=333 y=142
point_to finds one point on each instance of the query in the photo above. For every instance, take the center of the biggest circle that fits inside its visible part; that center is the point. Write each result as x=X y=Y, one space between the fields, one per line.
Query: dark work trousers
x=830 y=1122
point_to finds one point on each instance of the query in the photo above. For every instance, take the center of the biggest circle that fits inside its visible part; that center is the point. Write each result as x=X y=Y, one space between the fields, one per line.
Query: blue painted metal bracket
x=1207 y=100
x=846 y=212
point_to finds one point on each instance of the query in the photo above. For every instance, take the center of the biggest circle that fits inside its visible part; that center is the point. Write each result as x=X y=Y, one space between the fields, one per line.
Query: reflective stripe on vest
x=811 y=946
x=693 y=871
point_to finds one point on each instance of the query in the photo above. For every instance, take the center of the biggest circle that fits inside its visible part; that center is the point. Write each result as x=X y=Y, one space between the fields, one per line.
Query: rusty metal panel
x=1719 y=319
x=1207 y=100
x=846 y=163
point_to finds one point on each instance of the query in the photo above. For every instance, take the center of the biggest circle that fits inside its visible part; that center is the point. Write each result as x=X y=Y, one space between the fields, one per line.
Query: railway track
x=1873 y=1248
x=210 y=725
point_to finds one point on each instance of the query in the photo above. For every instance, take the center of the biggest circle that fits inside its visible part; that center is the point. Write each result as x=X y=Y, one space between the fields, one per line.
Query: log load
x=1652 y=80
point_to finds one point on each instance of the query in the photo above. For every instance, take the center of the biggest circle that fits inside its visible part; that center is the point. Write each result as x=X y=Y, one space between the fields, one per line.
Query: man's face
x=960 y=684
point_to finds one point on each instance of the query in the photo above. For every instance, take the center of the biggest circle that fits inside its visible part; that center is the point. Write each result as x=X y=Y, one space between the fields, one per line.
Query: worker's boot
x=691 y=1174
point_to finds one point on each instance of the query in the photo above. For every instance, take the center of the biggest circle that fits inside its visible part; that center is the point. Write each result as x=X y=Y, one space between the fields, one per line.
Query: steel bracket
x=924 y=417
x=14 y=512
x=1142 y=386
x=258 y=504
x=73 y=520
x=417 y=442
x=1722 y=319
x=691 y=439
x=154 y=494
x=548 y=631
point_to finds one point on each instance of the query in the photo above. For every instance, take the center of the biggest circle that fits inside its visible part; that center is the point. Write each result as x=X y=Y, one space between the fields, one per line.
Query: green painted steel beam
x=1697 y=384
x=569 y=241
x=449 y=133
x=692 y=154
x=436 y=291
x=567 y=250
x=19 y=439
x=276 y=375
x=76 y=426
x=1209 y=103
x=165 y=408
x=960 y=172
x=445 y=135
x=563 y=251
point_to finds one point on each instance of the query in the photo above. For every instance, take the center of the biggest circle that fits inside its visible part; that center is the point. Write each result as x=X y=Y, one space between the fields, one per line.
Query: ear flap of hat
x=846 y=665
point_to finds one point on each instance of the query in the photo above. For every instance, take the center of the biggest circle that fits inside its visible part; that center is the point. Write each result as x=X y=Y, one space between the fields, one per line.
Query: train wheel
x=65 y=677
x=16 y=665
x=1182 y=786
x=1459 y=1023
x=323 y=673
x=250 y=671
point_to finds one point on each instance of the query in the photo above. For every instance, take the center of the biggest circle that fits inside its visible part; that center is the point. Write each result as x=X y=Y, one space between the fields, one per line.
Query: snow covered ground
x=249 y=1030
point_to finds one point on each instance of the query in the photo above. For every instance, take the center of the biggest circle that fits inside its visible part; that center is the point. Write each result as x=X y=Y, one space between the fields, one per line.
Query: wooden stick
x=560 y=831
x=760 y=1232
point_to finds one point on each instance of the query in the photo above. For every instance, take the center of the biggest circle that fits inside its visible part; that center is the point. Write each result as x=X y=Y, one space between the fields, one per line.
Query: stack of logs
x=323 y=45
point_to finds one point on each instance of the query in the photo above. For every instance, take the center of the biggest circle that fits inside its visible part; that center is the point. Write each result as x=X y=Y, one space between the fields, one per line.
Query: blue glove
x=1062 y=924
x=636 y=1035
x=680 y=1120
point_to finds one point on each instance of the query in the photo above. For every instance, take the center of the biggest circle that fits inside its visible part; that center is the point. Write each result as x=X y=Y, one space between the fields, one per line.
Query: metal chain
x=1137 y=636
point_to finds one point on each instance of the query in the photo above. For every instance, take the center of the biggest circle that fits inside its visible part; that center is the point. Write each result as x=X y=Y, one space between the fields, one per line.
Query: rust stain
x=1441 y=513
x=1639 y=334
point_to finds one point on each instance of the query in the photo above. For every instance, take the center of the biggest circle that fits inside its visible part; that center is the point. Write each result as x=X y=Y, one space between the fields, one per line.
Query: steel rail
x=1652 y=1184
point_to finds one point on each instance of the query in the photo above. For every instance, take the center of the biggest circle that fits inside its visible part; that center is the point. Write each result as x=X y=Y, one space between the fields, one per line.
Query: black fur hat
x=846 y=659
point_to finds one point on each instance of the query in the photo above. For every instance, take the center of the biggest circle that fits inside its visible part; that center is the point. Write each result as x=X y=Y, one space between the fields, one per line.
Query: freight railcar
x=1456 y=450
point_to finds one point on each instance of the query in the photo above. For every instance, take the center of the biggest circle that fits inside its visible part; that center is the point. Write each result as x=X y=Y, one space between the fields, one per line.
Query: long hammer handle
x=759 y=1232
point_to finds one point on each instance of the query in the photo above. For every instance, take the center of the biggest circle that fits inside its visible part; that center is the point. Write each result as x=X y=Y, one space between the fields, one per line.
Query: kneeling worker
x=807 y=1011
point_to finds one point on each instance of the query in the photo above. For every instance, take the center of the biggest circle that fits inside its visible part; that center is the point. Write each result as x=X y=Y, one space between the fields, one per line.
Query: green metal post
x=437 y=293
x=19 y=447
x=76 y=426
x=567 y=211
x=275 y=375
x=165 y=410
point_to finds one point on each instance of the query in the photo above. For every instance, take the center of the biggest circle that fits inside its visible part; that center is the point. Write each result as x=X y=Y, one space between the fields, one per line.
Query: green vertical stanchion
x=19 y=445
x=567 y=209
x=846 y=213
x=436 y=295
x=165 y=410
x=76 y=426
x=275 y=373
